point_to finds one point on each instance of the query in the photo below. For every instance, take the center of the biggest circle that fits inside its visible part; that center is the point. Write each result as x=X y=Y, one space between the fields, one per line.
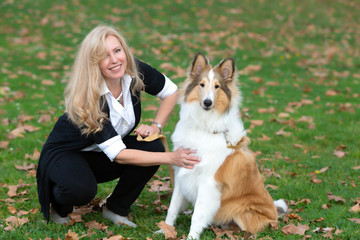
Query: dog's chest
x=212 y=150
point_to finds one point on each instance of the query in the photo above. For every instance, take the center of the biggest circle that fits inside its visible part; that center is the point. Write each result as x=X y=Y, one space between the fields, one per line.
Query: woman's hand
x=146 y=130
x=185 y=158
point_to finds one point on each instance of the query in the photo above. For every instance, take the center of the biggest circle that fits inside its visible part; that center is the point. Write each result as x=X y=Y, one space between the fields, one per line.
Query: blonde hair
x=83 y=91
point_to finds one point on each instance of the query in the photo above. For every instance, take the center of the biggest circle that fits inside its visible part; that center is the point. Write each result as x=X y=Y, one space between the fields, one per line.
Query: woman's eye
x=202 y=85
x=117 y=50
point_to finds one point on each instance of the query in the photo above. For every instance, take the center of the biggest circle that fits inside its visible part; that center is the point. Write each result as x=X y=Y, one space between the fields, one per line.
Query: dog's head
x=212 y=87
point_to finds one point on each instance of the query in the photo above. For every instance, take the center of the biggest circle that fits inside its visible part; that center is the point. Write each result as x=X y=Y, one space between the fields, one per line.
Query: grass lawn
x=299 y=73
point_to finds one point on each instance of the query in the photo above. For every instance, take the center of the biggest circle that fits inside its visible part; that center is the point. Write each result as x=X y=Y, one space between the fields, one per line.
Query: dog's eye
x=202 y=85
x=217 y=86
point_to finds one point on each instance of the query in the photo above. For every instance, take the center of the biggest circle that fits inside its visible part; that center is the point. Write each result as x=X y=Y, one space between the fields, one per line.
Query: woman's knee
x=74 y=194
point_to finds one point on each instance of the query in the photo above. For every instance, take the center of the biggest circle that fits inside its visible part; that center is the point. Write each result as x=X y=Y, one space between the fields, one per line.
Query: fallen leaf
x=151 y=108
x=16 y=221
x=44 y=118
x=335 y=198
x=12 y=210
x=16 y=133
x=355 y=208
x=256 y=123
x=324 y=169
x=76 y=217
x=283 y=115
x=250 y=69
x=25 y=166
x=264 y=138
x=169 y=231
x=355 y=220
x=272 y=186
x=48 y=82
x=34 y=156
x=159 y=186
x=331 y=92
x=292 y=229
x=96 y=225
x=4 y=144
x=281 y=132
x=71 y=236
x=316 y=181
x=339 y=154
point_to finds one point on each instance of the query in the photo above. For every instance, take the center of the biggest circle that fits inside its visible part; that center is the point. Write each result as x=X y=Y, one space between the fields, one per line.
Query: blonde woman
x=91 y=142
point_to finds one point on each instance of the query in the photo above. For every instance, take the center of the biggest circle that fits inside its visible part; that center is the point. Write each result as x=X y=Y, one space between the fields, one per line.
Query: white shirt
x=123 y=117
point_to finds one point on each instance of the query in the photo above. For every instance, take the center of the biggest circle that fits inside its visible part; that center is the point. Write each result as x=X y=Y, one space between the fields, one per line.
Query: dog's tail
x=281 y=207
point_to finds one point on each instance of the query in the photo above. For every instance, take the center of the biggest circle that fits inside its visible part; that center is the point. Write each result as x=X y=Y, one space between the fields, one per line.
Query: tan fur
x=244 y=197
x=221 y=102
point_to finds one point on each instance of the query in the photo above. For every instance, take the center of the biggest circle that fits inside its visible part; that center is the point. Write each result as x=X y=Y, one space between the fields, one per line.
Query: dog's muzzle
x=207 y=103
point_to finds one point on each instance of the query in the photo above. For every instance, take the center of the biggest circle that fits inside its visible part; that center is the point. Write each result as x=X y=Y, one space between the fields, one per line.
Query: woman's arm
x=162 y=116
x=181 y=157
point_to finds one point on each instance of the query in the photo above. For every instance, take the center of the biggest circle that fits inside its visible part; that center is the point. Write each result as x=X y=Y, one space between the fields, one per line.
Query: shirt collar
x=125 y=81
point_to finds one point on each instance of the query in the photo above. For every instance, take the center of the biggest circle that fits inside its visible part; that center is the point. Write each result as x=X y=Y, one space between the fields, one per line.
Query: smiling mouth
x=115 y=68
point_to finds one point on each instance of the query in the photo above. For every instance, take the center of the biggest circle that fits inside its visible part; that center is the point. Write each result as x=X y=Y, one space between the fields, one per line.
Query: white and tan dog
x=226 y=185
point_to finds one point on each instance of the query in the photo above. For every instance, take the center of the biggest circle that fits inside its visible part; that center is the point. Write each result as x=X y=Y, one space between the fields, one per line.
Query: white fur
x=203 y=131
x=281 y=204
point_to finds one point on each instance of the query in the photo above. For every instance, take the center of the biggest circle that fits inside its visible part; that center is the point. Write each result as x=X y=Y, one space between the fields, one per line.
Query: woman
x=91 y=142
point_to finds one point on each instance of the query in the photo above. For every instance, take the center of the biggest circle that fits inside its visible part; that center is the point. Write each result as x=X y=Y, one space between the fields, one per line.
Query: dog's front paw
x=193 y=237
x=159 y=232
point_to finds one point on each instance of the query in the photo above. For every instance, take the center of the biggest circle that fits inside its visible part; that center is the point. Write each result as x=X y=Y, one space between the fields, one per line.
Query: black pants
x=75 y=176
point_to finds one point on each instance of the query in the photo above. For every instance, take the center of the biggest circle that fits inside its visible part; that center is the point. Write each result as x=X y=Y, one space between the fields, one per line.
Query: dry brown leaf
x=96 y=225
x=34 y=156
x=292 y=229
x=324 y=169
x=335 y=198
x=44 y=118
x=151 y=108
x=16 y=133
x=305 y=201
x=12 y=190
x=30 y=128
x=257 y=122
x=71 y=236
x=326 y=206
x=283 y=115
x=339 y=154
x=25 y=167
x=221 y=232
x=159 y=186
x=4 y=144
x=294 y=216
x=264 y=138
x=250 y=69
x=16 y=221
x=272 y=186
x=169 y=231
x=76 y=217
x=12 y=210
x=316 y=181
x=48 y=82
x=281 y=132
x=355 y=220
x=355 y=208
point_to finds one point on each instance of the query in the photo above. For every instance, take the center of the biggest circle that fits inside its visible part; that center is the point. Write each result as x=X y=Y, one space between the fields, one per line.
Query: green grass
x=306 y=47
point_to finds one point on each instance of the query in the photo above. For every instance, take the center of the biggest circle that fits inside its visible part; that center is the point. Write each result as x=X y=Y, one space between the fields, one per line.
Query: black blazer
x=66 y=137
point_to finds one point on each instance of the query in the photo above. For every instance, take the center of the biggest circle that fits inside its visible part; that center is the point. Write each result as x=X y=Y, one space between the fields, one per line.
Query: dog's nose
x=207 y=102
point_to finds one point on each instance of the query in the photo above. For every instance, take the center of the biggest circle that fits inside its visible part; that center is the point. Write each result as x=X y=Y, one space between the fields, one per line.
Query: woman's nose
x=113 y=58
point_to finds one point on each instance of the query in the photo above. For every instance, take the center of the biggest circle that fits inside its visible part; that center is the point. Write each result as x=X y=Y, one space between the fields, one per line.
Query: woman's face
x=113 y=66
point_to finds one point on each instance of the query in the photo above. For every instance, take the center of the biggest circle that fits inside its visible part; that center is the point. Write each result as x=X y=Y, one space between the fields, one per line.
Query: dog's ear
x=198 y=65
x=227 y=68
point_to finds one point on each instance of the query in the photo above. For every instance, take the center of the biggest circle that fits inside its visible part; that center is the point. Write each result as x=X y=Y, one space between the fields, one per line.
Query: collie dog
x=226 y=186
